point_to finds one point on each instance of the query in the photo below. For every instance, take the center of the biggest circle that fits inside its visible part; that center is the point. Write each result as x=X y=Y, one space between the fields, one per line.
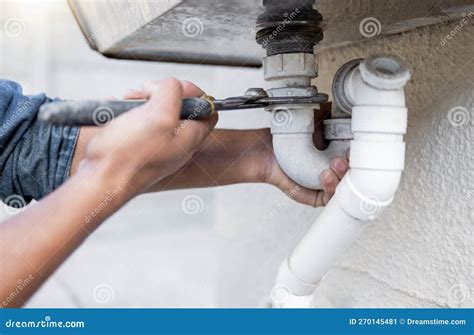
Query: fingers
x=194 y=132
x=190 y=89
x=329 y=181
x=302 y=194
x=159 y=88
x=163 y=100
x=339 y=166
x=134 y=95
x=330 y=178
x=319 y=199
x=191 y=134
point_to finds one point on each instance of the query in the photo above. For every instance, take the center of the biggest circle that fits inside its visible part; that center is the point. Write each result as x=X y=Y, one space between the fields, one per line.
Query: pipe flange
x=384 y=72
x=338 y=91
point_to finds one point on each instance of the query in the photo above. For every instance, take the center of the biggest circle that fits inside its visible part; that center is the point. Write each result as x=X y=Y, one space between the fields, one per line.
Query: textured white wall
x=420 y=253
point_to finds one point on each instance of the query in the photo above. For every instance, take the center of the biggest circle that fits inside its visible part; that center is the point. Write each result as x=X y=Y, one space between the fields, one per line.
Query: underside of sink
x=223 y=32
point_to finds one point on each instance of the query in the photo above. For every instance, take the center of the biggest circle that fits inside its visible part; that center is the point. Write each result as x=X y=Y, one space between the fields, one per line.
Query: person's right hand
x=150 y=142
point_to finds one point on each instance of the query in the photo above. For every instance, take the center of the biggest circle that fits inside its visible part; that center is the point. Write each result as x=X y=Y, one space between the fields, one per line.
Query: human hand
x=142 y=146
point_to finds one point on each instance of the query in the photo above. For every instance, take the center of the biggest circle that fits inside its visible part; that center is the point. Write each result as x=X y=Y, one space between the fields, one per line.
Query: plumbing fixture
x=373 y=93
x=289 y=31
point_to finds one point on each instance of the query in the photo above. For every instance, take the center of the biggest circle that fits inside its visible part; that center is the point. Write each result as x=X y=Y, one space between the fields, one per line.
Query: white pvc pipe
x=292 y=126
x=294 y=147
x=379 y=120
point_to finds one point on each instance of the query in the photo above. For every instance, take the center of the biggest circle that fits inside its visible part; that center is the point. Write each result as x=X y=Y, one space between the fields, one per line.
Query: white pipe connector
x=292 y=131
x=292 y=126
x=374 y=92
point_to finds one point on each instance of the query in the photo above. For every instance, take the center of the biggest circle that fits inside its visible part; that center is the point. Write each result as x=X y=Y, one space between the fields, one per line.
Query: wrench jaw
x=258 y=98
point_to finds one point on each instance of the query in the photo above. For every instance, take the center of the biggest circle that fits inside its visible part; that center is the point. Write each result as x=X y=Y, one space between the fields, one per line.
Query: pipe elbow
x=292 y=131
x=299 y=159
x=375 y=81
x=374 y=90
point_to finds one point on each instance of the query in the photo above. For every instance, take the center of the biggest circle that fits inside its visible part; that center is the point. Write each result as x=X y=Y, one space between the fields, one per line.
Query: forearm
x=34 y=243
x=227 y=157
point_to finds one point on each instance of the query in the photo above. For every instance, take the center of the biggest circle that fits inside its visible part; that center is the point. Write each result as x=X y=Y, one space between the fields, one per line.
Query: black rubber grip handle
x=101 y=112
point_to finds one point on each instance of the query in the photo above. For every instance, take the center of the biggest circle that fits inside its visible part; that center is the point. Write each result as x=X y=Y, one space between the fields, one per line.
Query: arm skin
x=236 y=156
x=33 y=244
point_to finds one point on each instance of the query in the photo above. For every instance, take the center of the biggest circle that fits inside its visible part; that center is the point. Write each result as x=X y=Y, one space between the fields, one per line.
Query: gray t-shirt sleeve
x=35 y=157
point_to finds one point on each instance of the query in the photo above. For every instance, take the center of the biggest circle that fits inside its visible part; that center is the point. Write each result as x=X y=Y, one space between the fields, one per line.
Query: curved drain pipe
x=292 y=126
x=373 y=90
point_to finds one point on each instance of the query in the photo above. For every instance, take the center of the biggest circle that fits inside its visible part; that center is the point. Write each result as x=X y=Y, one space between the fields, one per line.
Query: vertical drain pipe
x=373 y=90
x=289 y=30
